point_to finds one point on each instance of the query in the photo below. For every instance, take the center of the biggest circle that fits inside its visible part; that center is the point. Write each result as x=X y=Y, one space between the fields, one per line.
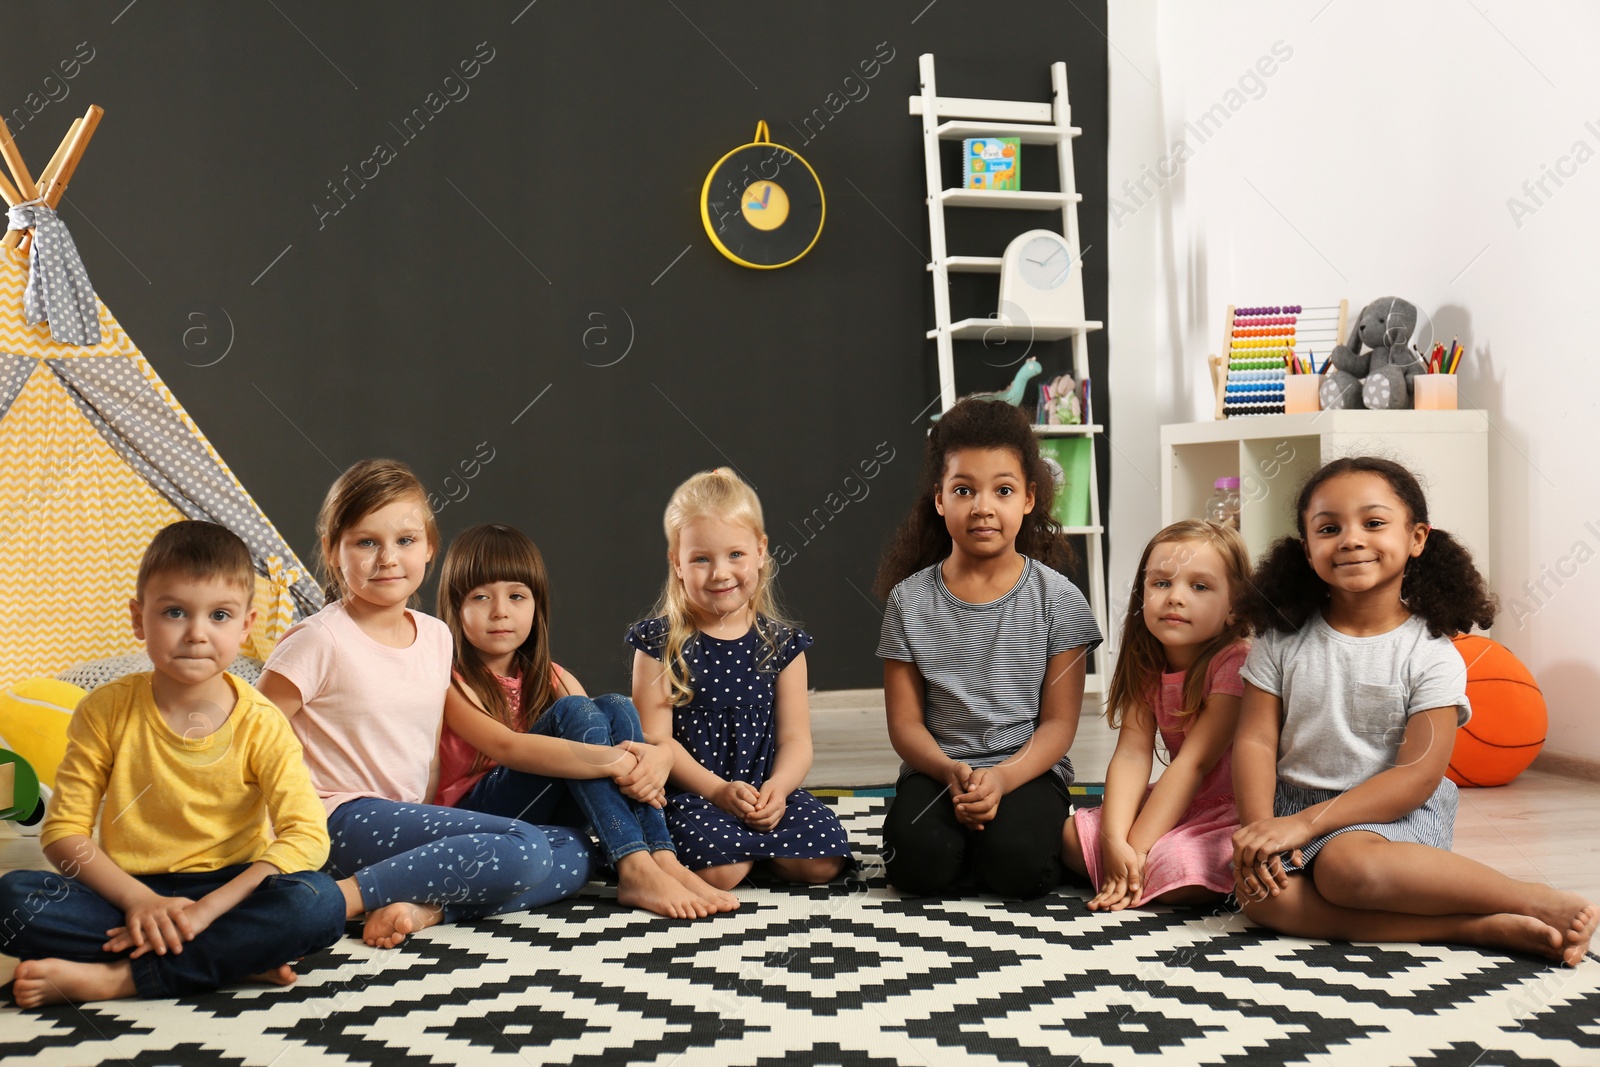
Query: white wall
x=1384 y=154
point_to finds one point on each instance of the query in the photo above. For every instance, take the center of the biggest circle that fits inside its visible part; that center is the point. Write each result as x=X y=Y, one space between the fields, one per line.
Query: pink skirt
x=1196 y=852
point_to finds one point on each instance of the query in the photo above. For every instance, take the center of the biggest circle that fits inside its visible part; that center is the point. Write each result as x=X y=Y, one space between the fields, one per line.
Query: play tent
x=96 y=455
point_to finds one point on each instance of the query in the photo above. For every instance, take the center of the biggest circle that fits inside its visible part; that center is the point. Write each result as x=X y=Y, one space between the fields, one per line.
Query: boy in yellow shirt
x=207 y=867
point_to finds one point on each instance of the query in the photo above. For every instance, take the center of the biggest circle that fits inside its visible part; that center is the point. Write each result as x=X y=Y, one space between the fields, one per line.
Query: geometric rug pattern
x=853 y=975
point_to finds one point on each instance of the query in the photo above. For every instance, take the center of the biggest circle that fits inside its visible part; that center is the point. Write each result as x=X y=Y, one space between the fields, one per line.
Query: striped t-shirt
x=983 y=665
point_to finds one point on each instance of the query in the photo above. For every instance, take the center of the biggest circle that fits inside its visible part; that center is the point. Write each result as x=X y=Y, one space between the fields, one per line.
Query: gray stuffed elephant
x=1382 y=377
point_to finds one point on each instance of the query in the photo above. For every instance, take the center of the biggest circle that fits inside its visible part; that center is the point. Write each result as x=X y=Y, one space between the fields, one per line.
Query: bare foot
x=393 y=923
x=1573 y=916
x=1580 y=928
x=642 y=884
x=719 y=899
x=281 y=975
x=1519 y=933
x=41 y=982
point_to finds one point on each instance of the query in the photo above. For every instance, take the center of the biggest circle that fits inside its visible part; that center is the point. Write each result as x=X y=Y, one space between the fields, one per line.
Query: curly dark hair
x=923 y=539
x=1442 y=585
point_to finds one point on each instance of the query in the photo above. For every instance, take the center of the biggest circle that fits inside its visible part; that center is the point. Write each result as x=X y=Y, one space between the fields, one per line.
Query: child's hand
x=646 y=782
x=980 y=803
x=155 y=924
x=1257 y=848
x=736 y=798
x=769 y=809
x=1121 y=876
x=955 y=779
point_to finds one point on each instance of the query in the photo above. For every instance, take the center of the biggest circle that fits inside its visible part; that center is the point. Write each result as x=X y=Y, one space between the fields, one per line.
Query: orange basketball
x=1509 y=720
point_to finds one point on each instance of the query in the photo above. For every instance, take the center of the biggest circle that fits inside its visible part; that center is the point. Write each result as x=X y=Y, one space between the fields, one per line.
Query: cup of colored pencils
x=1302 y=384
x=1436 y=389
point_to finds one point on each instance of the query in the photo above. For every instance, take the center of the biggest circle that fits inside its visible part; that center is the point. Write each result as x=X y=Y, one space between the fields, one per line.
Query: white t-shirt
x=370 y=716
x=1347 y=700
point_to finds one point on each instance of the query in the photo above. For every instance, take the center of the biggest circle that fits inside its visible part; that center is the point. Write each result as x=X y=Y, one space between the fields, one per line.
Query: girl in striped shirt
x=984 y=644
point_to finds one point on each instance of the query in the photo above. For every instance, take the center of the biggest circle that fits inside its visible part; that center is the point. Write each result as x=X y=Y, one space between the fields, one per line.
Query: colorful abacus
x=1260 y=343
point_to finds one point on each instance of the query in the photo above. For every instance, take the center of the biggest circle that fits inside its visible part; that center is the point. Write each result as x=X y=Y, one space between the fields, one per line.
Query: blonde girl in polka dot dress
x=719 y=678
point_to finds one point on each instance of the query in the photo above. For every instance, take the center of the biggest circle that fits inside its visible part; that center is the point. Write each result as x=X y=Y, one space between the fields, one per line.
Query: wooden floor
x=851 y=747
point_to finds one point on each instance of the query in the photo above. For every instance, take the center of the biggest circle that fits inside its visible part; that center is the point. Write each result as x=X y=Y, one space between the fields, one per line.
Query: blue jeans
x=469 y=864
x=45 y=915
x=623 y=826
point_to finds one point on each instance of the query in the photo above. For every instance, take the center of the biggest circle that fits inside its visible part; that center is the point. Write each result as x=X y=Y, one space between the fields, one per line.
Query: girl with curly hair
x=984 y=644
x=1352 y=699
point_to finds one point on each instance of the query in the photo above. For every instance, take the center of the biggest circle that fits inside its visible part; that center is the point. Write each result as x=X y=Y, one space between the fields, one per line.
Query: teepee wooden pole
x=82 y=130
x=9 y=192
x=17 y=239
x=54 y=166
x=58 y=172
x=13 y=158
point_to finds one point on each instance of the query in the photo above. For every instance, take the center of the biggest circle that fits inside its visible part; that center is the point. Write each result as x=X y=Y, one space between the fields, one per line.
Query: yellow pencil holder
x=1302 y=392
x=1434 y=392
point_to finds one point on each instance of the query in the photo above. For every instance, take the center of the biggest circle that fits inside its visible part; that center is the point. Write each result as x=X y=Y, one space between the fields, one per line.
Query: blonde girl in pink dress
x=1177 y=673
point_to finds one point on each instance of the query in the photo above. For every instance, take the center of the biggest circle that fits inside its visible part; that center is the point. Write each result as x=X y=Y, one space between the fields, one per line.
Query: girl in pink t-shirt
x=363 y=683
x=521 y=737
x=1177 y=672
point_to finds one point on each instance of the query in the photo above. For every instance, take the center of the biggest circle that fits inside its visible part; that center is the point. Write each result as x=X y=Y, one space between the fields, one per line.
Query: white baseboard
x=1567 y=765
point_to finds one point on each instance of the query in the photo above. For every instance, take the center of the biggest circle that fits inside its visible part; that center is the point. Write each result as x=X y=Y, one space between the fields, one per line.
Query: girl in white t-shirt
x=363 y=683
x=1352 y=699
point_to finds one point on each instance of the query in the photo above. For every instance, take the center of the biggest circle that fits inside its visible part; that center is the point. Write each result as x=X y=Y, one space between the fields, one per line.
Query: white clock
x=1038 y=281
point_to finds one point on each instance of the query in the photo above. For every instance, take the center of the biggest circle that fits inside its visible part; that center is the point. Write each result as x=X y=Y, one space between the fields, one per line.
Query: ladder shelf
x=947 y=118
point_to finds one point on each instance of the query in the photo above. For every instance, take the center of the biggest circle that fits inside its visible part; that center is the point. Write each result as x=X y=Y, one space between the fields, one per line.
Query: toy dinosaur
x=1011 y=394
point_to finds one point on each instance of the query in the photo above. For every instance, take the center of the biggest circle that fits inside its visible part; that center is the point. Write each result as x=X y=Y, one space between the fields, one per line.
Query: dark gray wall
x=496 y=253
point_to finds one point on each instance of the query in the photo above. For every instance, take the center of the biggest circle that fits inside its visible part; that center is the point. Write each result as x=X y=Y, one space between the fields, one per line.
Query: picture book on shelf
x=992 y=163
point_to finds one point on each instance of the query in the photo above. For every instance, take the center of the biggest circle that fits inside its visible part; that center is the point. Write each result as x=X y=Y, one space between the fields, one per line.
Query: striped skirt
x=1432 y=824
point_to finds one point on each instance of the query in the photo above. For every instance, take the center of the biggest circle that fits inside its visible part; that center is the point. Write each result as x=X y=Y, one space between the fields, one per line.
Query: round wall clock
x=762 y=204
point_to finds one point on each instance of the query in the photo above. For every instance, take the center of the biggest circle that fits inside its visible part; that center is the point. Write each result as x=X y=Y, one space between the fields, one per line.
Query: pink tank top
x=456 y=756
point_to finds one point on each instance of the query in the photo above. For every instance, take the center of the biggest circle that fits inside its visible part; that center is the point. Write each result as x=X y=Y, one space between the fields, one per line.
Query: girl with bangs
x=523 y=740
x=363 y=683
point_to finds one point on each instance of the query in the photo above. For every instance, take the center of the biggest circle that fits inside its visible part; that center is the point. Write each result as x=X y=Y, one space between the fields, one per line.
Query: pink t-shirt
x=1222 y=676
x=456 y=755
x=370 y=714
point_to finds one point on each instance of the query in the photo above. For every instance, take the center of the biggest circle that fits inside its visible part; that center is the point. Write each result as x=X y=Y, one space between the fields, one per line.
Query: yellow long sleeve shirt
x=176 y=804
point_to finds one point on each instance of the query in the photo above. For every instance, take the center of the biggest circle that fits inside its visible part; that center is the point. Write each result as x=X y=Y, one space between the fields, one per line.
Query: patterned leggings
x=470 y=863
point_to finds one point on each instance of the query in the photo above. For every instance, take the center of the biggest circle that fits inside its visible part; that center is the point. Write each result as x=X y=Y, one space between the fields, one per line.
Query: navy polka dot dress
x=731 y=728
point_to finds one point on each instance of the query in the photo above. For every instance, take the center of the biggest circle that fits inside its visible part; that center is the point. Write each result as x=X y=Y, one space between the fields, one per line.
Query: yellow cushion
x=33 y=722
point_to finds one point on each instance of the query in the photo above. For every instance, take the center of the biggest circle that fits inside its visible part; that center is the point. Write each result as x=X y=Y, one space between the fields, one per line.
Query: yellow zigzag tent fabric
x=96 y=455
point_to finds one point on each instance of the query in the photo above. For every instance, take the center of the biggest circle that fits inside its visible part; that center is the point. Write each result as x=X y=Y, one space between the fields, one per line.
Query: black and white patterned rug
x=854 y=976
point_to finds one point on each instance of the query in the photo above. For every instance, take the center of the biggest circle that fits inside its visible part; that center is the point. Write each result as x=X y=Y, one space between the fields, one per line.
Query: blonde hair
x=483 y=555
x=358 y=492
x=1142 y=660
x=722 y=495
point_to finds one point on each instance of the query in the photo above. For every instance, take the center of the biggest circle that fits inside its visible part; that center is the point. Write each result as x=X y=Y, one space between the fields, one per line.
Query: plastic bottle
x=1223 y=506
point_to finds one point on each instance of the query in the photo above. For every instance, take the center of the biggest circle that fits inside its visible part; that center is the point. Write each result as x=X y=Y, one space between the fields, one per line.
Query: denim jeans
x=45 y=915
x=623 y=826
x=470 y=864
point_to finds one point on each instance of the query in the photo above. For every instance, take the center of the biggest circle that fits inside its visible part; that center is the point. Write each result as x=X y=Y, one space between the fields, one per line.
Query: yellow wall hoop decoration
x=759 y=209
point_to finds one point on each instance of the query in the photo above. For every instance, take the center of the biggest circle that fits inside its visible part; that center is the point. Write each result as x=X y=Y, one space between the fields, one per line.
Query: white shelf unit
x=946 y=118
x=1273 y=455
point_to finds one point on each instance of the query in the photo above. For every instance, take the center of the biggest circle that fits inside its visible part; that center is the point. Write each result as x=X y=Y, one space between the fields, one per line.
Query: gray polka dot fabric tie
x=58 y=286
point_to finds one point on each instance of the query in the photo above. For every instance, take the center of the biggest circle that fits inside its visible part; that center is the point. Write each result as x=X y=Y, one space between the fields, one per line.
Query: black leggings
x=1017 y=854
